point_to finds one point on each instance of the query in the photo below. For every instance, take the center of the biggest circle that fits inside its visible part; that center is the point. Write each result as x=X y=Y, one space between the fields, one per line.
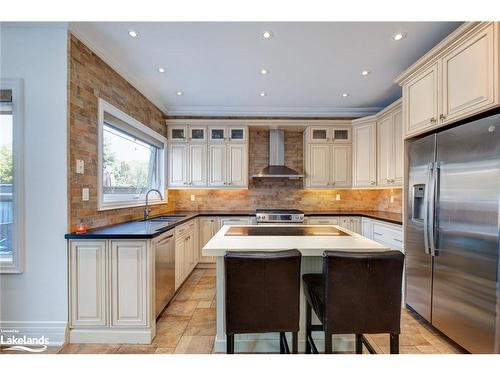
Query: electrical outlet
x=85 y=194
x=392 y=199
x=80 y=166
x=337 y=197
x=193 y=197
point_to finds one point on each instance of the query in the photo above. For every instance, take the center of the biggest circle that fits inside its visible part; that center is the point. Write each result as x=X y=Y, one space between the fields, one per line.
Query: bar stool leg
x=394 y=343
x=229 y=343
x=295 y=342
x=328 y=343
x=308 y=327
x=359 y=344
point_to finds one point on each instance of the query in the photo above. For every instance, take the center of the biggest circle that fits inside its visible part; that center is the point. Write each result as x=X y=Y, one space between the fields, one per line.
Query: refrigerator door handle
x=426 y=208
x=432 y=210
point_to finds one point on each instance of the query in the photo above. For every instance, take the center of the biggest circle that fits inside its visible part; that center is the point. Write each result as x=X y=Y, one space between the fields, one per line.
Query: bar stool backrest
x=262 y=291
x=362 y=291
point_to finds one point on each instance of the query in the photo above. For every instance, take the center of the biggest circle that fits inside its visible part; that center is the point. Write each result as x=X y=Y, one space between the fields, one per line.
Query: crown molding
x=313 y=111
x=119 y=68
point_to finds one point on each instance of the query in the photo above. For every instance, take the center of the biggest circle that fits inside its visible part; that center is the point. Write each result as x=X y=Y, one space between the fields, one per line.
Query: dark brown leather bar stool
x=357 y=293
x=262 y=295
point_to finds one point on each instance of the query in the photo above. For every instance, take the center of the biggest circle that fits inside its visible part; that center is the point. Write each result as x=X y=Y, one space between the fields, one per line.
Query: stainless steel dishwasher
x=164 y=248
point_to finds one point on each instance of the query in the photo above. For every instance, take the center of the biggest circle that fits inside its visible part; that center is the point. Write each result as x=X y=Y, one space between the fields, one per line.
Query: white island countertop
x=308 y=245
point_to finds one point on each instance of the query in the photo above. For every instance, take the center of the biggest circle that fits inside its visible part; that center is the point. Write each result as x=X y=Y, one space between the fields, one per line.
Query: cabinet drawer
x=389 y=236
x=184 y=229
x=323 y=220
x=235 y=221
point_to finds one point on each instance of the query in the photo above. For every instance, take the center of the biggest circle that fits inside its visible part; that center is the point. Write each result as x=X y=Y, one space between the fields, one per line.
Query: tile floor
x=188 y=326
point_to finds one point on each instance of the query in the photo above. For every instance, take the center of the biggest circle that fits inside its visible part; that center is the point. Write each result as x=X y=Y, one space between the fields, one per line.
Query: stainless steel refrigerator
x=452 y=232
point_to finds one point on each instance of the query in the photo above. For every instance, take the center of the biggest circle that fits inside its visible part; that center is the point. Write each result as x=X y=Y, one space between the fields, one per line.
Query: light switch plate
x=392 y=198
x=193 y=197
x=85 y=194
x=80 y=166
x=337 y=197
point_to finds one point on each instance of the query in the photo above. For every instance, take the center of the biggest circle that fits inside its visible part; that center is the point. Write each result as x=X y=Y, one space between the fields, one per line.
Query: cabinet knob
x=333 y=183
x=433 y=119
x=442 y=116
x=372 y=182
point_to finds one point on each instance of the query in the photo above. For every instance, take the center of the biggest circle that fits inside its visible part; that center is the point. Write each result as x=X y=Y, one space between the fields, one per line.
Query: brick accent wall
x=91 y=78
x=284 y=193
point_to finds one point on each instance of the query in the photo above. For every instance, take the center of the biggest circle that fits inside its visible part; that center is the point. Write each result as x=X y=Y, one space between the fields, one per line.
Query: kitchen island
x=311 y=241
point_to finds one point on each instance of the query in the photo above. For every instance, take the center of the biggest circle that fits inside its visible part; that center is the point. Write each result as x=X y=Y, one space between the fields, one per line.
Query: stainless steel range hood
x=276 y=167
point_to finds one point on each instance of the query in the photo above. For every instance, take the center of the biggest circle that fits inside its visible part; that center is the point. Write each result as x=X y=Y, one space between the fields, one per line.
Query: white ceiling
x=217 y=65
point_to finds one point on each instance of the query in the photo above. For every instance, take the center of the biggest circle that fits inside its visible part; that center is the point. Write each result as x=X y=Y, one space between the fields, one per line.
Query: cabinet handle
x=397 y=240
x=442 y=116
x=433 y=119
x=229 y=183
x=377 y=233
x=333 y=183
x=372 y=182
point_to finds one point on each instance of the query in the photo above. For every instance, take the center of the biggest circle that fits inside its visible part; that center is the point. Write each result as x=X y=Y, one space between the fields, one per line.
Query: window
x=11 y=177
x=131 y=160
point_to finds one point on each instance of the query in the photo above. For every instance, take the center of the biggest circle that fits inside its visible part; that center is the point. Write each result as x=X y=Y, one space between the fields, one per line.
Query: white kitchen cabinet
x=197 y=165
x=468 y=72
x=197 y=134
x=319 y=168
x=420 y=99
x=390 y=148
x=217 y=161
x=184 y=251
x=88 y=283
x=365 y=153
x=237 y=165
x=456 y=79
x=178 y=133
x=342 y=166
x=208 y=227
x=323 y=220
x=129 y=283
x=238 y=133
x=178 y=165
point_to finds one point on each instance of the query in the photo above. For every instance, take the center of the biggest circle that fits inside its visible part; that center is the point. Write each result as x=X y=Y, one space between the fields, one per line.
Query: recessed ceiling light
x=179 y=93
x=161 y=70
x=267 y=34
x=365 y=72
x=399 y=36
x=133 y=33
x=345 y=95
x=263 y=71
x=262 y=93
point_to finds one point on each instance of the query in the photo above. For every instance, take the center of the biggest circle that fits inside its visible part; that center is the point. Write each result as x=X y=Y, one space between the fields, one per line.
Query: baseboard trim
x=56 y=332
x=111 y=336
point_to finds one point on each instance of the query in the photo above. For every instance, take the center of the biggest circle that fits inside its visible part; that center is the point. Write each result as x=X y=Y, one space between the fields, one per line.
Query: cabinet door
x=367 y=228
x=188 y=254
x=356 y=224
x=320 y=134
x=420 y=97
x=237 y=165
x=217 y=164
x=345 y=222
x=180 y=250
x=238 y=134
x=208 y=227
x=197 y=134
x=384 y=150
x=197 y=164
x=341 y=135
x=217 y=133
x=178 y=165
x=319 y=165
x=177 y=133
x=469 y=77
x=365 y=155
x=129 y=283
x=342 y=166
x=398 y=159
x=88 y=283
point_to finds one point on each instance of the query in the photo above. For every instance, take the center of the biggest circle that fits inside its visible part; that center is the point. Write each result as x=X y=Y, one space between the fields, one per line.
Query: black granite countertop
x=150 y=229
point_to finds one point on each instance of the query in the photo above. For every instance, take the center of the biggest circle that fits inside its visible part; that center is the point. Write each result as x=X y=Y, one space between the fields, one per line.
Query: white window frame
x=104 y=106
x=17 y=263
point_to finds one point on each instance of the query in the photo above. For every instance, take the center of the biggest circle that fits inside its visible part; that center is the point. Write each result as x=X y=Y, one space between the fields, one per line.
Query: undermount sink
x=167 y=218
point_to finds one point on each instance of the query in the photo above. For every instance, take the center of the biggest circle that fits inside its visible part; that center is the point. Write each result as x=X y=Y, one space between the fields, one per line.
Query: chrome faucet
x=146 y=207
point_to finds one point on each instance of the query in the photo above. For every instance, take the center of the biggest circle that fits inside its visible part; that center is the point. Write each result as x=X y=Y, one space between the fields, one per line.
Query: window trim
x=16 y=266
x=104 y=106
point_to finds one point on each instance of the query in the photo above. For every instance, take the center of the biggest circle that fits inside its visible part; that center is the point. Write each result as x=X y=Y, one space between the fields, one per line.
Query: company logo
x=10 y=340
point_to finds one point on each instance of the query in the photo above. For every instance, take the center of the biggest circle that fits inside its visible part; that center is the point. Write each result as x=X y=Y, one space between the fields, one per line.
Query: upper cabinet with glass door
x=197 y=134
x=329 y=134
x=228 y=133
x=178 y=133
